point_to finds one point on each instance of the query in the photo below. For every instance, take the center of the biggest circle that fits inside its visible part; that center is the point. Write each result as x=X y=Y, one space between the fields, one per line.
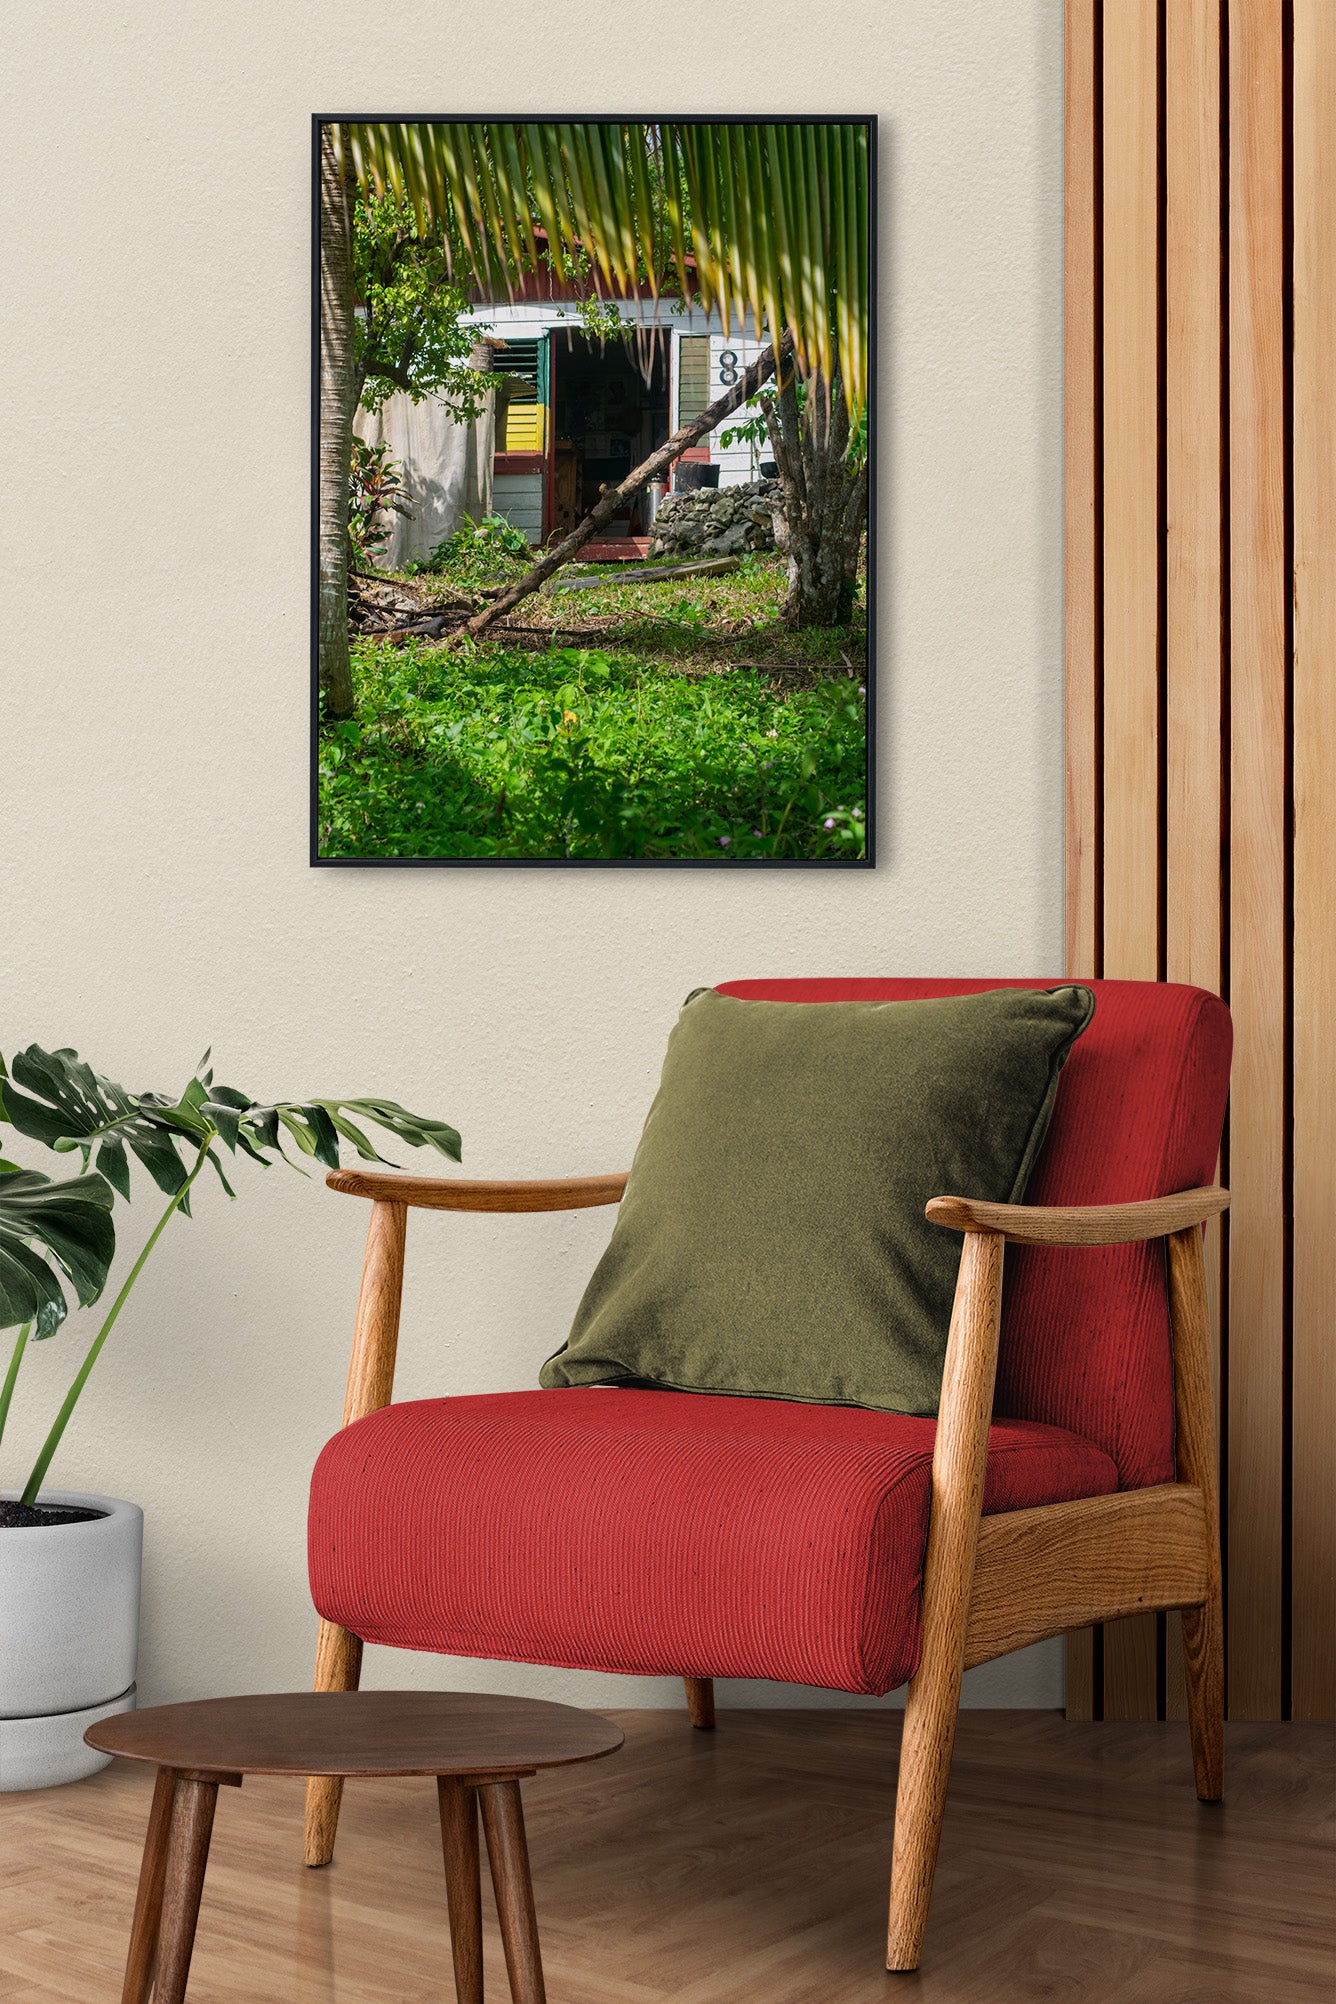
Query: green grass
x=684 y=722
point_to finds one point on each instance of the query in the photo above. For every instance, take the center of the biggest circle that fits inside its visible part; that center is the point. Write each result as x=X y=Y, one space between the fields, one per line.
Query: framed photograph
x=593 y=576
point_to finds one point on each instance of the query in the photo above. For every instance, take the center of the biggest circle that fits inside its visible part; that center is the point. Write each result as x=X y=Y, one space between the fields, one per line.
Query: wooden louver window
x=520 y=401
x=693 y=376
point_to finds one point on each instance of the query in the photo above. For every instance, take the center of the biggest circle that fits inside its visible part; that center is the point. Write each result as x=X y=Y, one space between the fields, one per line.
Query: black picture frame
x=719 y=865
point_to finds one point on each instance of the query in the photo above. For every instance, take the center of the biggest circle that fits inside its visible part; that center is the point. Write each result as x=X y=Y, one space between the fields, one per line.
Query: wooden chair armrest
x=440 y=1193
x=1081 y=1224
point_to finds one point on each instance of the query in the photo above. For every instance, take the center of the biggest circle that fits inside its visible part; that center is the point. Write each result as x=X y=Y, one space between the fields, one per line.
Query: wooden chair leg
x=508 y=1856
x=931 y=1709
x=338 y=1667
x=463 y=1891
x=338 y=1656
x=700 y=1702
x=959 y=1456
x=148 y=1900
x=1203 y=1627
x=1204 y=1675
x=187 y=1856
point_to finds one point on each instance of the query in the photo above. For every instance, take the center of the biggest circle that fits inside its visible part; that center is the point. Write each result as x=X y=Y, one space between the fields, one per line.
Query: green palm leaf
x=775 y=215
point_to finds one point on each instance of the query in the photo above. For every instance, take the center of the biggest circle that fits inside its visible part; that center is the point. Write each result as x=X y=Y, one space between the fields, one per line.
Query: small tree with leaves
x=409 y=332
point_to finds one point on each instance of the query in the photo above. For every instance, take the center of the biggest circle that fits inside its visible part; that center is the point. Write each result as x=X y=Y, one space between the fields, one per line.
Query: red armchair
x=1070 y=1477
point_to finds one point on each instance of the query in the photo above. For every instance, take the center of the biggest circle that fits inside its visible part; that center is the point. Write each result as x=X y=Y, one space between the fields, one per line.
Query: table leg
x=148 y=1900
x=187 y=1856
x=508 y=1855
x=463 y=1892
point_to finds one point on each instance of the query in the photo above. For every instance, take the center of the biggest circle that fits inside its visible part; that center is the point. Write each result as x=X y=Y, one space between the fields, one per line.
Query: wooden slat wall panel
x=1084 y=638
x=1194 y=572
x=1193 y=471
x=1131 y=564
x=1202 y=719
x=1131 y=863
x=1257 y=931
x=1314 y=1331
x=1082 y=435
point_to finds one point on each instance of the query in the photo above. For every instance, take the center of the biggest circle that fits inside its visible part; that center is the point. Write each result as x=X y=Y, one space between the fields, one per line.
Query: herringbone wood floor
x=738 y=1867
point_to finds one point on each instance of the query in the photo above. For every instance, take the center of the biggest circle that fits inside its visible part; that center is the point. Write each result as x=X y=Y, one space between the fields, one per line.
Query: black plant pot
x=692 y=473
x=769 y=469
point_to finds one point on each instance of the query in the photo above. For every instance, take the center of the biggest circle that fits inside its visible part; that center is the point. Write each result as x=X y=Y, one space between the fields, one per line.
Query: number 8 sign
x=728 y=367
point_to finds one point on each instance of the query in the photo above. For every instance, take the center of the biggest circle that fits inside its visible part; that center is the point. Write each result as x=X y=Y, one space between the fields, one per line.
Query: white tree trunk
x=338 y=402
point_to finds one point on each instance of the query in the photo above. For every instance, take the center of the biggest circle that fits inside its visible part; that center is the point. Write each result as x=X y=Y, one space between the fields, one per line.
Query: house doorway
x=606 y=420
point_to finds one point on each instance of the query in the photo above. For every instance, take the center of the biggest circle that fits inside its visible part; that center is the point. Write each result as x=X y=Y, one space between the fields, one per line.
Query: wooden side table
x=479 y=1748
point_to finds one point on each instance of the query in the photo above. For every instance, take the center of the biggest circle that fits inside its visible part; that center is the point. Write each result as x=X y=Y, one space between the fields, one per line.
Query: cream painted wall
x=155 y=891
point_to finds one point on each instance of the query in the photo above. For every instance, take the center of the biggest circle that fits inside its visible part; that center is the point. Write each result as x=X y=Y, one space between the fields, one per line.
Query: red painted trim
x=543 y=286
x=621 y=550
x=542 y=289
x=519 y=462
x=550 y=455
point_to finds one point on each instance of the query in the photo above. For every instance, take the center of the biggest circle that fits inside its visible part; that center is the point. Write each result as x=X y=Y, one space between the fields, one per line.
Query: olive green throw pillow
x=772 y=1240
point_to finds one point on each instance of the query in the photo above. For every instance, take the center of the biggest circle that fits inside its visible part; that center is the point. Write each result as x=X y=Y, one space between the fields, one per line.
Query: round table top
x=359 y=1733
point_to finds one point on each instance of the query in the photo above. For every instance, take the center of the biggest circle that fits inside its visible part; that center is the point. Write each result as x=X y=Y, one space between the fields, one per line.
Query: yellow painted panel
x=526 y=428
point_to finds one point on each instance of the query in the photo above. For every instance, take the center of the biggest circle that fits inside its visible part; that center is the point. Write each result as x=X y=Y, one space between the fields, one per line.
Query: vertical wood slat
x=1194 y=554
x=1131 y=526
x=1227 y=816
x=1083 y=421
x=1257 y=929
x=1083 y=637
x=1131 y=492
x=1314 y=727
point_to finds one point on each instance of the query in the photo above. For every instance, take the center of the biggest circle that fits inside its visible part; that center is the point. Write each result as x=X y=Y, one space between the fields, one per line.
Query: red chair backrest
x=1085 y=1334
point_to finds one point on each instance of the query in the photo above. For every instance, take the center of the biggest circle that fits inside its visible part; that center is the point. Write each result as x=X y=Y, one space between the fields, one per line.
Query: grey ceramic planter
x=69 y=1636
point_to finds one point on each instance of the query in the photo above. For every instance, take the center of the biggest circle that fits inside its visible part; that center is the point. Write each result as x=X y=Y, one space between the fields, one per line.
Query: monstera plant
x=54 y=1233
x=65 y=1637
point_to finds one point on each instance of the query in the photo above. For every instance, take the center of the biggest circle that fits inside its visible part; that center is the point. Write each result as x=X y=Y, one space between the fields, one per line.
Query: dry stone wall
x=716 y=522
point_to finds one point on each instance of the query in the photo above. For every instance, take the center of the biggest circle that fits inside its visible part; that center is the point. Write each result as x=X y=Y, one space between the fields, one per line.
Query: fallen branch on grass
x=649 y=574
x=649 y=469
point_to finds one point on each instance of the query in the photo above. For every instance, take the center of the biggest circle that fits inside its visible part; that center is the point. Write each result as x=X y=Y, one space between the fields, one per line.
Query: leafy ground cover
x=622 y=721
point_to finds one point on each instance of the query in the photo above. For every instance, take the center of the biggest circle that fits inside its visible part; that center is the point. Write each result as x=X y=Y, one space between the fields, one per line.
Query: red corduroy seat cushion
x=668 y=1533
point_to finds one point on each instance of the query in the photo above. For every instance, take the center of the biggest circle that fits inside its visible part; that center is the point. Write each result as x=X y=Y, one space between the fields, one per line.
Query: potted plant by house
x=70 y=1562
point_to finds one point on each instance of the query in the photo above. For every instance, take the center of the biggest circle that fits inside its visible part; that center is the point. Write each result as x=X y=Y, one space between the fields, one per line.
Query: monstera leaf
x=315 y=1125
x=72 y=1221
x=52 y=1229
x=67 y=1105
x=55 y=1098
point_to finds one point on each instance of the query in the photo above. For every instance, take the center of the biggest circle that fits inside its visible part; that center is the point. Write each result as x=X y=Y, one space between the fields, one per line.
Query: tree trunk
x=338 y=403
x=649 y=469
x=819 y=527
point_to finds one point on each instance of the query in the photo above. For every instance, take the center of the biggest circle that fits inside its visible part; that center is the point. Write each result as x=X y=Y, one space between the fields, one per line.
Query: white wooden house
x=576 y=414
x=588 y=411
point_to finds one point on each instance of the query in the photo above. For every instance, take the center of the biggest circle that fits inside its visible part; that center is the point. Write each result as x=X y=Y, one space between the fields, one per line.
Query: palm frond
x=773 y=216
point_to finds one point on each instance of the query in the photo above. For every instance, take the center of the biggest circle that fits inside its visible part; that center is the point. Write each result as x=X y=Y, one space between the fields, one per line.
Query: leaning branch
x=658 y=462
x=652 y=574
